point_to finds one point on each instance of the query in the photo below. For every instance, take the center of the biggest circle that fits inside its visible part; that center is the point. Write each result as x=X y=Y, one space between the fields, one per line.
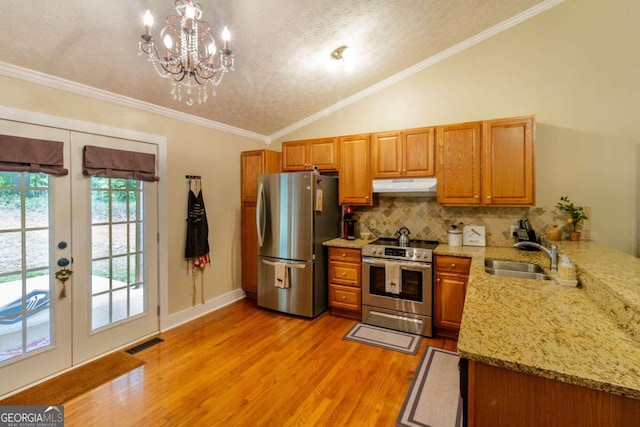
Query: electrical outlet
x=372 y=224
x=512 y=229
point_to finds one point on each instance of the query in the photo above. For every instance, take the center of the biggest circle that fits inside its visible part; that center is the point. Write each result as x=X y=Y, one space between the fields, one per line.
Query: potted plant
x=576 y=216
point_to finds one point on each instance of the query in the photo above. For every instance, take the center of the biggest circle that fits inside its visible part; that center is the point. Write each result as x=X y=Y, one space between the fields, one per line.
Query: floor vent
x=144 y=345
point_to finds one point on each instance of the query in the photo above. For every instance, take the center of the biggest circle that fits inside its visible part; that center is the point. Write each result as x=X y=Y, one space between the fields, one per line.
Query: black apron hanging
x=197 y=246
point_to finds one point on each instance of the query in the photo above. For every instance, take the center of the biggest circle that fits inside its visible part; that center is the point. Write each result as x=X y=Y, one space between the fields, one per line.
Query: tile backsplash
x=427 y=220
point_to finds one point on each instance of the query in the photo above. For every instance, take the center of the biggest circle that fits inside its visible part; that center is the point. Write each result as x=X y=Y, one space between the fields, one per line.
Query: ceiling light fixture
x=189 y=54
x=340 y=59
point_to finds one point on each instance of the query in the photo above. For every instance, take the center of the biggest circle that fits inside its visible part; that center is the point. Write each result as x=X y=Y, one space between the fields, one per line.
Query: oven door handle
x=374 y=261
x=404 y=265
x=414 y=266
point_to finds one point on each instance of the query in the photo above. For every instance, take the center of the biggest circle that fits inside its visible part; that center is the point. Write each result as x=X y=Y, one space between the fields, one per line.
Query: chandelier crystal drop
x=187 y=54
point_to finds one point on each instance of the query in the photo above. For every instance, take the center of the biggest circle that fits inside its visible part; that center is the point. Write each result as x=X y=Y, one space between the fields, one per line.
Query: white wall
x=576 y=67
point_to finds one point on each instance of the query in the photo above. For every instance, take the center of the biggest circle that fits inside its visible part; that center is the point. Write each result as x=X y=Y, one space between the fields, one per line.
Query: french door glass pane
x=118 y=288
x=25 y=293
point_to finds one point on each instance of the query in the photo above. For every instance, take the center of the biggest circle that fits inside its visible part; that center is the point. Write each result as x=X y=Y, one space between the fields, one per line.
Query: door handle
x=260 y=215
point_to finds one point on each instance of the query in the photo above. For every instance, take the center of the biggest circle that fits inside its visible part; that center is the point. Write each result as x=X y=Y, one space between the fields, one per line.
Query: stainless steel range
x=397 y=285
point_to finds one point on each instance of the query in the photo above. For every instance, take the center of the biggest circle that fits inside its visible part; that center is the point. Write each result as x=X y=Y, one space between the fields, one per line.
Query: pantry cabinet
x=345 y=282
x=303 y=155
x=252 y=164
x=354 y=174
x=487 y=163
x=407 y=153
x=450 y=287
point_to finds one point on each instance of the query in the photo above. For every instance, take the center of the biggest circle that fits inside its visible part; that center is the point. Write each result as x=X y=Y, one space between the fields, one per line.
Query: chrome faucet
x=552 y=252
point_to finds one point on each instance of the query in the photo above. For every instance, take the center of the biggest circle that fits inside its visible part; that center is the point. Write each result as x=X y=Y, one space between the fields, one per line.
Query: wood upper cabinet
x=252 y=164
x=407 y=153
x=508 y=162
x=355 y=176
x=303 y=155
x=458 y=154
x=450 y=288
x=487 y=163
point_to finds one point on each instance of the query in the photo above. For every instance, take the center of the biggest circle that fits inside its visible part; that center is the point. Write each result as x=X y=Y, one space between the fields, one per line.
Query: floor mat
x=386 y=338
x=433 y=398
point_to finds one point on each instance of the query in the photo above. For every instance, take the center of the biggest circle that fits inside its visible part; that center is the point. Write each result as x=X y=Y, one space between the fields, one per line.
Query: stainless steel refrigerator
x=295 y=213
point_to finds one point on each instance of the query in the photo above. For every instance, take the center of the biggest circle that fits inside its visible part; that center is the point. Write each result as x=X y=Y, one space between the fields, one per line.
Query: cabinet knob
x=438 y=279
x=344 y=254
x=344 y=297
x=476 y=196
x=488 y=197
x=344 y=274
x=453 y=265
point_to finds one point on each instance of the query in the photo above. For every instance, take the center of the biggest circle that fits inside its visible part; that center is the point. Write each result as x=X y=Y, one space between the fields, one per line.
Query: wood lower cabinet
x=252 y=164
x=345 y=282
x=355 y=176
x=487 y=163
x=499 y=397
x=450 y=288
x=303 y=155
x=407 y=153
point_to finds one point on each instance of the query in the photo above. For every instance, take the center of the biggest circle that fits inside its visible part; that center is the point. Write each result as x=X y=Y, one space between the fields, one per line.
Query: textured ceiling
x=281 y=48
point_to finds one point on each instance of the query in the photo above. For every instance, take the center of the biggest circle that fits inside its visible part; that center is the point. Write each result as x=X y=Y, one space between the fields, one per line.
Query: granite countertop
x=587 y=335
x=342 y=243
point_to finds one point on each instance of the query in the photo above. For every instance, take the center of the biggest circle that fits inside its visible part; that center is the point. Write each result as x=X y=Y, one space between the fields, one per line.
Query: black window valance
x=19 y=154
x=110 y=163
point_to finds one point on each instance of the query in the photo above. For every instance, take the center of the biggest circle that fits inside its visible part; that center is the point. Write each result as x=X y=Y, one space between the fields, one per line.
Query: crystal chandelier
x=188 y=56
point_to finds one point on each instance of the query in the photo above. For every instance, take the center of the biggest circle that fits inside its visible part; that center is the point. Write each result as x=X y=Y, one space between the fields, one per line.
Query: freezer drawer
x=301 y=298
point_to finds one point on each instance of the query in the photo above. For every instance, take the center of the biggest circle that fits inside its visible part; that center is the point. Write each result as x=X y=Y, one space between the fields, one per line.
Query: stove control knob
x=410 y=253
x=379 y=251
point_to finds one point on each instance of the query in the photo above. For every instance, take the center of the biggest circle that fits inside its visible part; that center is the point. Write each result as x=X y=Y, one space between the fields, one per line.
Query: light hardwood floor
x=245 y=366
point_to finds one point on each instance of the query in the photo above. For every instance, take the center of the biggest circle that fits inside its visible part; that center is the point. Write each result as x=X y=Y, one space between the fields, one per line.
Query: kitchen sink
x=522 y=270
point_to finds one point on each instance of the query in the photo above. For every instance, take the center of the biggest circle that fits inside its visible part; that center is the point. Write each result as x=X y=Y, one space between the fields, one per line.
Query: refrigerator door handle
x=286 y=265
x=260 y=216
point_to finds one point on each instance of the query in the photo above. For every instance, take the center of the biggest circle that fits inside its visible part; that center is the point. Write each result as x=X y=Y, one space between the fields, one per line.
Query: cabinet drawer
x=344 y=255
x=452 y=264
x=345 y=273
x=344 y=297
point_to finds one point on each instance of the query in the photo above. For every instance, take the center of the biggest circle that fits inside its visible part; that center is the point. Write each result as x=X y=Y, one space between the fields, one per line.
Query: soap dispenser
x=566 y=270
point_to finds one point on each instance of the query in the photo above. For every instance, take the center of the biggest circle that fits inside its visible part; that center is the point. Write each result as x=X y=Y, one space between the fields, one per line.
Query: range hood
x=406 y=187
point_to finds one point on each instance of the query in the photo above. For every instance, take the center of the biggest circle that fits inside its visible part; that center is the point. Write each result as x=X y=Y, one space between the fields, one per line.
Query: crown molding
x=429 y=62
x=37 y=77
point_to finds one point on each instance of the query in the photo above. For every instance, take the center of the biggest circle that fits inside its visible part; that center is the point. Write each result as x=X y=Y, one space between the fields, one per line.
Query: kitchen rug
x=58 y=390
x=433 y=398
x=385 y=338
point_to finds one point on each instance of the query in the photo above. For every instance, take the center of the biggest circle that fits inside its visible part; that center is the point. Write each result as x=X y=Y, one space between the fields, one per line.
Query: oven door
x=416 y=283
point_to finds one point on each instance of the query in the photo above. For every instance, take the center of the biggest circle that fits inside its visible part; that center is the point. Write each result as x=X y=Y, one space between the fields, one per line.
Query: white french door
x=35 y=218
x=115 y=249
x=106 y=229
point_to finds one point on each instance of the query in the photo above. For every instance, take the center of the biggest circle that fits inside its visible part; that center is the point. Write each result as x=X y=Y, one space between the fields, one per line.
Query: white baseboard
x=184 y=316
